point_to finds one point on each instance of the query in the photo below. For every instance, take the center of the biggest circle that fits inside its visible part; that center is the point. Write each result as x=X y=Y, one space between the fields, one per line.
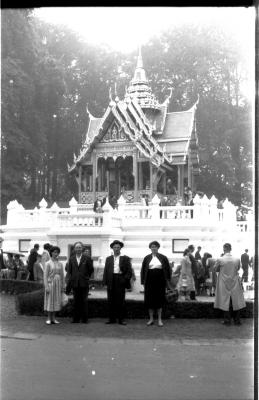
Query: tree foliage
x=49 y=75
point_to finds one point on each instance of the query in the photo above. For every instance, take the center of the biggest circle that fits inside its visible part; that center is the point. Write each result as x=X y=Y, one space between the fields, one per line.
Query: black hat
x=116 y=242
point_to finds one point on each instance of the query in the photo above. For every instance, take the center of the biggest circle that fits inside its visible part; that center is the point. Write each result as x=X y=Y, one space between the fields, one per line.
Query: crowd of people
x=220 y=276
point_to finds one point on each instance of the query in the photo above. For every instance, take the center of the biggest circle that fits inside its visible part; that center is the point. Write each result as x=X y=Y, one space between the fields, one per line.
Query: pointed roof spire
x=140 y=73
x=140 y=61
x=139 y=88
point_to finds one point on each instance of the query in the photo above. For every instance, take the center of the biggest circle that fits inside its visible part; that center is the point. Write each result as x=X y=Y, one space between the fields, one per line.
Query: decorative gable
x=114 y=133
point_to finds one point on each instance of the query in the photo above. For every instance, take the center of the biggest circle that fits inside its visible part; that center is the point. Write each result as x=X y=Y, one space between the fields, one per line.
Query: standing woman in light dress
x=54 y=284
x=186 y=280
x=155 y=276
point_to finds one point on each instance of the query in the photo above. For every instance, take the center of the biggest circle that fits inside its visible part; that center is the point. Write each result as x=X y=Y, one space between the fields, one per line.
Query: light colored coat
x=186 y=272
x=228 y=284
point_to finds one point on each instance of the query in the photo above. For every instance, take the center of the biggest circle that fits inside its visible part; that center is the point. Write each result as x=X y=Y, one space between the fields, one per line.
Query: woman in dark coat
x=155 y=276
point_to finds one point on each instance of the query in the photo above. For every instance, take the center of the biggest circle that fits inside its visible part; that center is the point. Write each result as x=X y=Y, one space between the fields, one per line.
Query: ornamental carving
x=114 y=134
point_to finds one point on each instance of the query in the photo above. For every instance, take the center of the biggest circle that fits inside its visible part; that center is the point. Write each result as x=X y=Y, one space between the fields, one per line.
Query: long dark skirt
x=154 y=296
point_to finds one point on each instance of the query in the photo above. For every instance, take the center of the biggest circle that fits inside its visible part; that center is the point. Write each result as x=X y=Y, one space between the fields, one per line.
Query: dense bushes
x=32 y=304
x=14 y=286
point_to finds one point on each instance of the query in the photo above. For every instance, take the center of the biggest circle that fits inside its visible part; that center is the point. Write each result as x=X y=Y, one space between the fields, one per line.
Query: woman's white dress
x=54 y=280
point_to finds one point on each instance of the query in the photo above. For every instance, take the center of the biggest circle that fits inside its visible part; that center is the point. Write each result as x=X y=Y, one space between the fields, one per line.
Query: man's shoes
x=149 y=323
x=48 y=322
x=111 y=321
x=121 y=322
x=55 y=322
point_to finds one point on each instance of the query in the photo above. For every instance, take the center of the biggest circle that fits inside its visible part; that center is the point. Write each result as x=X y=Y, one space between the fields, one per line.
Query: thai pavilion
x=137 y=148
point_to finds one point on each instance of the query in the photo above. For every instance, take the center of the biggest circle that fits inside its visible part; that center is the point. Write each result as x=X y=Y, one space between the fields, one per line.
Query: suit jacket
x=165 y=266
x=32 y=259
x=78 y=275
x=245 y=260
x=194 y=265
x=125 y=268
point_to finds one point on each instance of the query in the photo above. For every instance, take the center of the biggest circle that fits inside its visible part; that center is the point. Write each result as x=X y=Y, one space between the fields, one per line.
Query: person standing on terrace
x=194 y=272
x=79 y=271
x=229 y=295
x=31 y=260
x=155 y=275
x=116 y=276
x=54 y=284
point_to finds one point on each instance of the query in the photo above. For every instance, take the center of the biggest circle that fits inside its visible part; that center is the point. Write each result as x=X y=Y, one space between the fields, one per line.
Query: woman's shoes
x=55 y=322
x=160 y=323
x=48 y=322
x=149 y=323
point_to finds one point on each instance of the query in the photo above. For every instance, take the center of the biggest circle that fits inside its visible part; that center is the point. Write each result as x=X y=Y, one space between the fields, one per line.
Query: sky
x=124 y=28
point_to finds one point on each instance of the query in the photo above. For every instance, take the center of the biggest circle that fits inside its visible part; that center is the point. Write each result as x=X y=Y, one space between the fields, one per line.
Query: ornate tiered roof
x=162 y=137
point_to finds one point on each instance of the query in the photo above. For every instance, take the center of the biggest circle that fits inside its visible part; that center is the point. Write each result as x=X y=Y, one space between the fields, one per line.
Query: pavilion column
x=151 y=179
x=108 y=181
x=80 y=183
x=180 y=171
x=190 y=173
x=164 y=183
x=140 y=175
x=98 y=176
x=135 y=173
x=94 y=173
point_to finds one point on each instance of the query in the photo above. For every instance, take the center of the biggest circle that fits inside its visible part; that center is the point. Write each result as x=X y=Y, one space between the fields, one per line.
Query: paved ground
x=186 y=359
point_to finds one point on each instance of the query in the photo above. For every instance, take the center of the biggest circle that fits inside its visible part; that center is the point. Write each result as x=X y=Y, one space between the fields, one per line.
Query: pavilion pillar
x=189 y=173
x=94 y=173
x=151 y=179
x=180 y=171
x=135 y=173
x=80 y=183
x=140 y=175
x=98 y=176
x=164 y=183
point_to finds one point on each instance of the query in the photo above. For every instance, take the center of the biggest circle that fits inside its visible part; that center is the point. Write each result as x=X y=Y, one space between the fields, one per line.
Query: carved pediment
x=114 y=133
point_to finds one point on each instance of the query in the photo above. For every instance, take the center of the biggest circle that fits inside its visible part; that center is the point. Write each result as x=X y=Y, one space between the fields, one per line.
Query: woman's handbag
x=64 y=299
x=171 y=295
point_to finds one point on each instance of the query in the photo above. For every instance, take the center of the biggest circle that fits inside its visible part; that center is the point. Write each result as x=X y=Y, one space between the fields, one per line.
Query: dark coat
x=245 y=260
x=32 y=259
x=125 y=268
x=194 y=265
x=78 y=275
x=165 y=266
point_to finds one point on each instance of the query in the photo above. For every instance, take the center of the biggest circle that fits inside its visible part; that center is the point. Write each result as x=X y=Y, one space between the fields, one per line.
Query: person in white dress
x=54 y=283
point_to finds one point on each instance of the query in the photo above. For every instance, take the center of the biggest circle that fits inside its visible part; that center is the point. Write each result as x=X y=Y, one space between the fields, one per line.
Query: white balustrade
x=204 y=211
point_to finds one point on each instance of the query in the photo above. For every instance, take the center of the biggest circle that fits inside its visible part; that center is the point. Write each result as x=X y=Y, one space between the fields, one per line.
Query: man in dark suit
x=116 y=276
x=31 y=260
x=194 y=271
x=245 y=261
x=79 y=270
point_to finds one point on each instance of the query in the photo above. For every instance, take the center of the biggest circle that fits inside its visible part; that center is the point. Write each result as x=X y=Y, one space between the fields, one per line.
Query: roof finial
x=140 y=61
x=110 y=94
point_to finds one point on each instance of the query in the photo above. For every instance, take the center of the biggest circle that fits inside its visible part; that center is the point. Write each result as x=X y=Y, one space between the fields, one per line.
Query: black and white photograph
x=128 y=241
